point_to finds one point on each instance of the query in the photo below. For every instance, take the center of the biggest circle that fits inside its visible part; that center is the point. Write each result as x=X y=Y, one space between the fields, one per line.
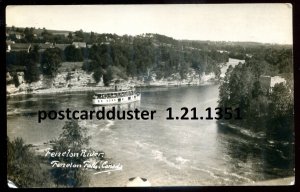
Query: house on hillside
x=89 y=45
x=61 y=46
x=8 y=45
x=43 y=47
x=79 y=44
x=222 y=51
x=16 y=35
x=105 y=43
x=61 y=33
x=268 y=82
x=20 y=47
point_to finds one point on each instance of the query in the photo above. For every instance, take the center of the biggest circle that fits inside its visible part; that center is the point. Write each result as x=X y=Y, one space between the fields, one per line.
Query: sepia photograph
x=150 y=95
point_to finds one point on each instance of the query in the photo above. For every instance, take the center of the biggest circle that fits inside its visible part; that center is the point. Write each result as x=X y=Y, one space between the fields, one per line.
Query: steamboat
x=116 y=97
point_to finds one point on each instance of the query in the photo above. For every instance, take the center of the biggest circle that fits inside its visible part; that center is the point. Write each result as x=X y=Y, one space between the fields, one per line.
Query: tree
x=73 y=54
x=183 y=70
x=47 y=36
x=97 y=74
x=218 y=73
x=15 y=79
x=281 y=101
x=93 y=37
x=79 y=34
x=29 y=36
x=75 y=139
x=106 y=60
x=32 y=71
x=281 y=114
x=70 y=36
x=224 y=89
x=69 y=76
x=23 y=166
x=132 y=69
x=51 y=60
x=108 y=76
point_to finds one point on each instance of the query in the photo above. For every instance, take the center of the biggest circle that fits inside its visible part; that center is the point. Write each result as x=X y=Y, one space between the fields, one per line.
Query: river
x=166 y=152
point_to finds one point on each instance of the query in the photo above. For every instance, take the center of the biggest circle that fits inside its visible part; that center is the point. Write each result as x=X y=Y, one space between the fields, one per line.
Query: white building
x=268 y=82
x=79 y=44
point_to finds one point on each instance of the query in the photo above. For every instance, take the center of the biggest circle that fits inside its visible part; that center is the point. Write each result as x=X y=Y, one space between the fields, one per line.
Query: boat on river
x=116 y=97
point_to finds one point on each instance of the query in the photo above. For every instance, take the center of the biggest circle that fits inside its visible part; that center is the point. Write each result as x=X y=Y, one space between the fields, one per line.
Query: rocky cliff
x=75 y=79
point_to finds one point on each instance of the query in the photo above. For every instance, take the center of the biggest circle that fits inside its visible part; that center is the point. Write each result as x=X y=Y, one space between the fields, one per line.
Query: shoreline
x=100 y=88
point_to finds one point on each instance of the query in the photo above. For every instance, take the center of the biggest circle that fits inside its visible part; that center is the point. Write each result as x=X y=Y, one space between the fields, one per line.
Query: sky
x=266 y=23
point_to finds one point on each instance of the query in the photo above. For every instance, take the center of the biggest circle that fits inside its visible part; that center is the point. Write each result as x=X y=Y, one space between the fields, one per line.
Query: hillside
x=146 y=59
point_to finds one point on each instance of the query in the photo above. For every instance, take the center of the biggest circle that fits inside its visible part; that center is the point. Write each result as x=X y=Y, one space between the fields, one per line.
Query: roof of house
x=20 y=46
x=61 y=46
x=45 y=46
x=26 y=46
x=65 y=33
x=79 y=44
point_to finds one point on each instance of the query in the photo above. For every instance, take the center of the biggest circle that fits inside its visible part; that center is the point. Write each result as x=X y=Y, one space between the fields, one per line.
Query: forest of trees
x=72 y=138
x=143 y=54
x=24 y=167
x=261 y=110
x=120 y=56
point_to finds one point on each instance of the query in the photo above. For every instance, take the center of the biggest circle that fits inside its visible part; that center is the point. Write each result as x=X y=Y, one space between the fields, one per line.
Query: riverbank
x=59 y=90
x=102 y=88
x=74 y=79
x=71 y=78
x=243 y=130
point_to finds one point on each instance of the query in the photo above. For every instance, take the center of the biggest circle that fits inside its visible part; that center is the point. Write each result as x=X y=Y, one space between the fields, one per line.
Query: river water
x=166 y=152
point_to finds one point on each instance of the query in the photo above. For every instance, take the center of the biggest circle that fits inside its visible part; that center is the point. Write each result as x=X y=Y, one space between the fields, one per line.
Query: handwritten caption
x=91 y=162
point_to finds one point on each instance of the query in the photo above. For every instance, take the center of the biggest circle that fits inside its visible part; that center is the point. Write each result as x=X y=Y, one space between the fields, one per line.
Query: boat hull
x=117 y=100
